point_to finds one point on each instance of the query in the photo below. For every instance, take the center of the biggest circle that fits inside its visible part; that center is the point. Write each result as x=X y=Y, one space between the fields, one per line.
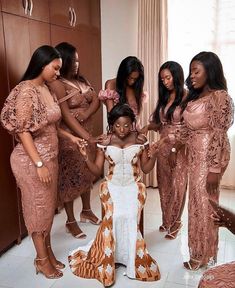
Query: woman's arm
x=150 y=127
x=96 y=167
x=149 y=155
x=147 y=163
x=28 y=144
x=111 y=85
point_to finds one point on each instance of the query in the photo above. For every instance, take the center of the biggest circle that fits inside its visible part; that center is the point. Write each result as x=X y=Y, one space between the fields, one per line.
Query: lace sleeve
x=108 y=95
x=220 y=110
x=23 y=111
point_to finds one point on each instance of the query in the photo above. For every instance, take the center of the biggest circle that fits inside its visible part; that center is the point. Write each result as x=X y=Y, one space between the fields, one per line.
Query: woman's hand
x=144 y=130
x=212 y=182
x=223 y=217
x=44 y=175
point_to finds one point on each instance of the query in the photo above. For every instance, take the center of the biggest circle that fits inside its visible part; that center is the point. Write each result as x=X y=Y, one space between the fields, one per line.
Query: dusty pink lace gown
x=222 y=276
x=74 y=176
x=172 y=183
x=207 y=120
x=24 y=112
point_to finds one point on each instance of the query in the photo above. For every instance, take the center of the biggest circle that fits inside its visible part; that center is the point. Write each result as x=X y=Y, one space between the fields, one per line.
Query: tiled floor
x=17 y=270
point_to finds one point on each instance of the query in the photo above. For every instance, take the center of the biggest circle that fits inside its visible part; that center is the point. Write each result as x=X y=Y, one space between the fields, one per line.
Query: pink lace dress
x=222 y=276
x=207 y=120
x=24 y=112
x=74 y=176
x=172 y=183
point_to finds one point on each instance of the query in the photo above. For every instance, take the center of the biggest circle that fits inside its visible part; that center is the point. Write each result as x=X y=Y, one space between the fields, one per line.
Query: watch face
x=39 y=164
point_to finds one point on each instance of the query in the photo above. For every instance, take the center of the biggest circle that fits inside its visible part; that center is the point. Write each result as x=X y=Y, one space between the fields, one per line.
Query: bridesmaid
x=171 y=163
x=127 y=87
x=31 y=113
x=208 y=114
x=78 y=103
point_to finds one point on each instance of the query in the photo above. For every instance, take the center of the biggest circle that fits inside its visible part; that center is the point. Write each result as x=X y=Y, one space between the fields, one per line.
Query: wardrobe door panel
x=39 y=34
x=17 y=46
x=9 y=219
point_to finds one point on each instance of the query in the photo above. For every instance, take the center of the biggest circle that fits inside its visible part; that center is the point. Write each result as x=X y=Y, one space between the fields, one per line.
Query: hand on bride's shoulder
x=104 y=139
x=141 y=139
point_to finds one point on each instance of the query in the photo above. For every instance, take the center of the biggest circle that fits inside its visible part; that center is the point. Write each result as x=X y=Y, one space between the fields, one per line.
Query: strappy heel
x=172 y=235
x=42 y=267
x=70 y=230
x=192 y=264
x=162 y=228
x=85 y=218
x=56 y=263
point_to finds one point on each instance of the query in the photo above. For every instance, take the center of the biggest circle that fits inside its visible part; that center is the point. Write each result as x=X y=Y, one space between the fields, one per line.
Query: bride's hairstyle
x=120 y=110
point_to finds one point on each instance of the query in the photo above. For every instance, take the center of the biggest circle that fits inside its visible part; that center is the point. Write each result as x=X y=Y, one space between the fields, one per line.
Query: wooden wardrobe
x=24 y=26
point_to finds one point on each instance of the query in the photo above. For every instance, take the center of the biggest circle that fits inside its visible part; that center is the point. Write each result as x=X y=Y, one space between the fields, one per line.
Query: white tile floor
x=17 y=271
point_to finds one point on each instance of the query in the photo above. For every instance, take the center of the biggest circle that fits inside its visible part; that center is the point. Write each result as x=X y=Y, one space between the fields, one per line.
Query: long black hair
x=120 y=110
x=67 y=52
x=40 y=58
x=164 y=94
x=127 y=66
x=214 y=72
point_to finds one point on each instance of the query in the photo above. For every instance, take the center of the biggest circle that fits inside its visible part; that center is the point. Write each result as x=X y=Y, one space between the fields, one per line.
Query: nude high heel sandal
x=70 y=230
x=85 y=218
x=171 y=235
x=42 y=267
x=56 y=263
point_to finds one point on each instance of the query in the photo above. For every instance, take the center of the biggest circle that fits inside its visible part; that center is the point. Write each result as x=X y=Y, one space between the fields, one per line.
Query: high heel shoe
x=72 y=231
x=56 y=263
x=87 y=218
x=172 y=235
x=162 y=228
x=192 y=264
x=42 y=267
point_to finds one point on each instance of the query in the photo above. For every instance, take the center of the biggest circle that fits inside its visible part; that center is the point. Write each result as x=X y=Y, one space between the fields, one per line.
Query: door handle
x=25 y=4
x=30 y=7
x=71 y=16
x=75 y=18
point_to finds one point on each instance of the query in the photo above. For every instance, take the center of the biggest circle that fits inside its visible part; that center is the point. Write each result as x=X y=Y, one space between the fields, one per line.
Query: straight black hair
x=127 y=66
x=164 y=94
x=67 y=52
x=215 y=75
x=40 y=58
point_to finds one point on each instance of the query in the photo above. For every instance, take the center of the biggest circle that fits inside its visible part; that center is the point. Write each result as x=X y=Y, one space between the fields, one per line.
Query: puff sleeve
x=220 y=110
x=108 y=94
x=23 y=111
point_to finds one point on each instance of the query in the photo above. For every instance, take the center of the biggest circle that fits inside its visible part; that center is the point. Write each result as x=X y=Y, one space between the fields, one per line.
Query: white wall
x=119 y=28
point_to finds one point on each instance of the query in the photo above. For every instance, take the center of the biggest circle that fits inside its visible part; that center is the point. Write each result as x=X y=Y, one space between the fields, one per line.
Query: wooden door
x=17 y=46
x=35 y=9
x=9 y=218
x=61 y=12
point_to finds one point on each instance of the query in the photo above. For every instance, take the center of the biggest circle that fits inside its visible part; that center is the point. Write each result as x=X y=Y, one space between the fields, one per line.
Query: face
x=198 y=75
x=131 y=79
x=122 y=127
x=167 y=79
x=52 y=70
x=75 y=64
